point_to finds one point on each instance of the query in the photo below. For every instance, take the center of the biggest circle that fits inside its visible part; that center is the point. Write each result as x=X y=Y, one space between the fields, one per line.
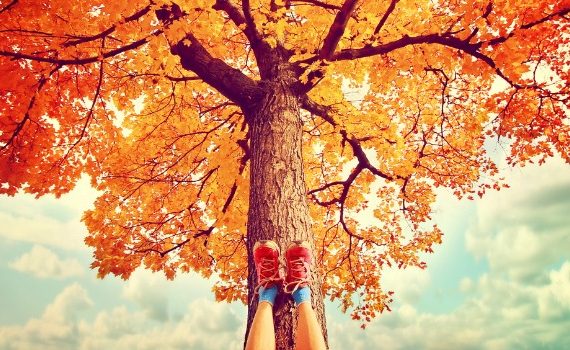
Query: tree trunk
x=277 y=202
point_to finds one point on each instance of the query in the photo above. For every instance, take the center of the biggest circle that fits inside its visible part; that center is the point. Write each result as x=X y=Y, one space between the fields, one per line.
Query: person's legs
x=309 y=335
x=262 y=332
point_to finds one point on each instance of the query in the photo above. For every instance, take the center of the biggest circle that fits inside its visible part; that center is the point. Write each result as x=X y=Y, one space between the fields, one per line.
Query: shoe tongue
x=266 y=251
x=299 y=252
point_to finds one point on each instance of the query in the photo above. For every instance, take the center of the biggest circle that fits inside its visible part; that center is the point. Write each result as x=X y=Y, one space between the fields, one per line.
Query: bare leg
x=262 y=333
x=309 y=335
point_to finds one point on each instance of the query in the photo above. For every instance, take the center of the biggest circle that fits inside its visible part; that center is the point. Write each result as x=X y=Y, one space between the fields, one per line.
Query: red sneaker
x=266 y=259
x=299 y=260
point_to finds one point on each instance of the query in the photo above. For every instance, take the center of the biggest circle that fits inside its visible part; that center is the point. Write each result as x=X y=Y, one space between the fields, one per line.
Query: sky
x=500 y=280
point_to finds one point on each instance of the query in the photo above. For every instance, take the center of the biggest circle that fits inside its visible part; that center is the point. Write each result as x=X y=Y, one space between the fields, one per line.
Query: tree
x=208 y=125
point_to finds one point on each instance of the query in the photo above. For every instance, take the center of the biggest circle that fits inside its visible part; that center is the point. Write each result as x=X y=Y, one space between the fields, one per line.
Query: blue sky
x=500 y=280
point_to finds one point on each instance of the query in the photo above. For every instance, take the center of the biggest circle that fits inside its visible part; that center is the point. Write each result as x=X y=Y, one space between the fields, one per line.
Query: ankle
x=302 y=295
x=268 y=294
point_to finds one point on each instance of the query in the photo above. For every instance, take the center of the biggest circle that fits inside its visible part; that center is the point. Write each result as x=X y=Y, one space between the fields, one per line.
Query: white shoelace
x=298 y=267
x=265 y=266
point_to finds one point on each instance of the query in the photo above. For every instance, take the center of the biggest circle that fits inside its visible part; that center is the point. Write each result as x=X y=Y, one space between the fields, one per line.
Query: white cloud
x=499 y=314
x=47 y=221
x=522 y=233
x=519 y=251
x=466 y=285
x=36 y=228
x=205 y=325
x=43 y=263
x=523 y=230
x=554 y=300
x=522 y=302
x=148 y=290
x=56 y=328
x=408 y=285
x=160 y=298
x=68 y=304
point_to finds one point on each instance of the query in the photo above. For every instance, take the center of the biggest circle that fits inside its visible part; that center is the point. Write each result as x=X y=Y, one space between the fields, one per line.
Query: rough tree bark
x=278 y=197
x=278 y=208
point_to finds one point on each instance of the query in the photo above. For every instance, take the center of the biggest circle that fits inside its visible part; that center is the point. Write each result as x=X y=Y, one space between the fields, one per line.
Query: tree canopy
x=398 y=98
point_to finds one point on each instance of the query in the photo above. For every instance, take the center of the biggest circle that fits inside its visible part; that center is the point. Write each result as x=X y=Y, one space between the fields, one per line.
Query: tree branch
x=80 y=61
x=250 y=24
x=318 y=3
x=88 y=117
x=229 y=81
x=349 y=54
x=233 y=12
x=337 y=29
x=445 y=40
x=109 y=30
x=363 y=160
x=19 y=127
x=322 y=111
x=326 y=112
x=385 y=17
x=179 y=245
x=560 y=13
x=9 y=6
x=239 y=19
x=502 y=39
x=175 y=79
x=345 y=188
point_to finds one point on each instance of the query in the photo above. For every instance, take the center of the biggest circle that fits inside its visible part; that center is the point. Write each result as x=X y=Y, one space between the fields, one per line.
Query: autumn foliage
x=153 y=100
